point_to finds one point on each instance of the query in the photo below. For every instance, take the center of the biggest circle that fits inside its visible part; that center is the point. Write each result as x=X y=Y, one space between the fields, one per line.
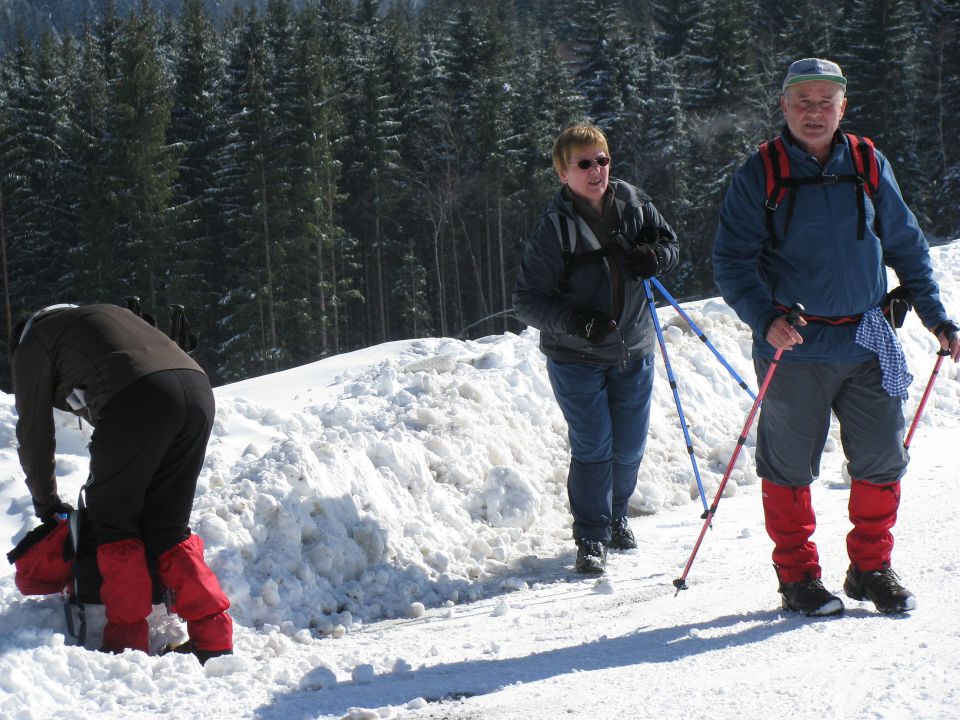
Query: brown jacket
x=96 y=349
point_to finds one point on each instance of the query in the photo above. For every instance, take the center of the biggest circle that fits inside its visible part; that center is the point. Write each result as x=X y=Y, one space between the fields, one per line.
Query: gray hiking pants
x=795 y=420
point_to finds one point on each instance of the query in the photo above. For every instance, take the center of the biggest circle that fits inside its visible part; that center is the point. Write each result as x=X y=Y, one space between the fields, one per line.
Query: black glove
x=642 y=261
x=48 y=513
x=591 y=326
x=948 y=329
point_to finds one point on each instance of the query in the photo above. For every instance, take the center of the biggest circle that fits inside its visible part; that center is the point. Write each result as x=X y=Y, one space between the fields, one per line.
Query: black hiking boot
x=881 y=587
x=190 y=648
x=591 y=557
x=810 y=597
x=621 y=536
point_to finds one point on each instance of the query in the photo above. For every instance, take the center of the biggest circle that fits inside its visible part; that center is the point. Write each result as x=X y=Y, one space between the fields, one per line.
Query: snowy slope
x=391 y=527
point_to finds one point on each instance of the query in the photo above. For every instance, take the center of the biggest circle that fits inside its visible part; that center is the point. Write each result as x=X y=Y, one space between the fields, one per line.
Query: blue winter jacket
x=818 y=260
x=547 y=292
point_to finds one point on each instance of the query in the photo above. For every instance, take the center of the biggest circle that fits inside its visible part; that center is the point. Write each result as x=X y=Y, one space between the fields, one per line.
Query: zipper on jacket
x=624 y=350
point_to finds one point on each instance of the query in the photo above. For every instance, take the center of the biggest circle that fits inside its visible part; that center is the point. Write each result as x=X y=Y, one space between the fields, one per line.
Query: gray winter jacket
x=549 y=289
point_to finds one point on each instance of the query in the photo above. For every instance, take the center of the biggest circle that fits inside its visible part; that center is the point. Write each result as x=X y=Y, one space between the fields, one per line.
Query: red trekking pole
x=681 y=582
x=941 y=354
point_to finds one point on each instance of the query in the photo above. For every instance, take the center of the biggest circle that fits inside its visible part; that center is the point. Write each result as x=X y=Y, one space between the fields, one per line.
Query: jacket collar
x=794 y=148
x=40 y=314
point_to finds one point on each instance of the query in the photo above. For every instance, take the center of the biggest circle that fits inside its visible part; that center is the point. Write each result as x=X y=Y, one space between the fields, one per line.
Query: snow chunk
x=508 y=499
x=319 y=678
x=363 y=674
x=226 y=665
x=415 y=610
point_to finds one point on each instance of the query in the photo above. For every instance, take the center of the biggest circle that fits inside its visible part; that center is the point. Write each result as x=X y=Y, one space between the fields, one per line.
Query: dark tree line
x=312 y=177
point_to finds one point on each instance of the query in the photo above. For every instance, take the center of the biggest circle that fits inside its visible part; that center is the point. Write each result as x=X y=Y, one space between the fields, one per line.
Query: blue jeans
x=607 y=409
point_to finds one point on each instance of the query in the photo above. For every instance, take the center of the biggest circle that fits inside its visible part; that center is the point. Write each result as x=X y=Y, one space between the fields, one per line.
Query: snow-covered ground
x=391 y=527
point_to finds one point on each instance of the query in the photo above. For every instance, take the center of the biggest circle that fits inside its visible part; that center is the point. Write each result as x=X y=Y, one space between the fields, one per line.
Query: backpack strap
x=569 y=235
x=862 y=151
x=867 y=177
x=776 y=167
x=865 y=161
x=568 y=239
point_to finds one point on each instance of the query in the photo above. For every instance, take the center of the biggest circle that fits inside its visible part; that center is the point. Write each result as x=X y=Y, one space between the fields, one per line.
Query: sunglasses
x=586 y=164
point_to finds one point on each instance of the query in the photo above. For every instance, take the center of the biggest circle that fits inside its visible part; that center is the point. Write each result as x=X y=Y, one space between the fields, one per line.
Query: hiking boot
x=881 y=587
x=621 y=536
x=591 y=557
x=810 y=597
x=190 y=648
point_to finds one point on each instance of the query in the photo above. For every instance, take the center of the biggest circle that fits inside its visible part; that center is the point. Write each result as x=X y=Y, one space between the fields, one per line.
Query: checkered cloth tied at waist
x=875 y=334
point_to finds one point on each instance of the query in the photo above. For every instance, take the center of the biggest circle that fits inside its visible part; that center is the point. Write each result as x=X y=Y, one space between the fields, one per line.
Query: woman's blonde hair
x=575 y=137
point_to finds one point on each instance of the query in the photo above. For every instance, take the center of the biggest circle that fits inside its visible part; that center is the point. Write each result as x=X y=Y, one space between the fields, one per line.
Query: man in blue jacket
x=581 y=285
x=827 y=249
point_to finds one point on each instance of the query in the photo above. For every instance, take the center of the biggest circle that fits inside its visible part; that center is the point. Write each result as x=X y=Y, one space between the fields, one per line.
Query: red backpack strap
x=776 y=168
x=864 y=154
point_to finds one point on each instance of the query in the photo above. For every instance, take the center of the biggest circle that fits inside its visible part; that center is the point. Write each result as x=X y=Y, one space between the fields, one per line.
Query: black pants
x=146 y=452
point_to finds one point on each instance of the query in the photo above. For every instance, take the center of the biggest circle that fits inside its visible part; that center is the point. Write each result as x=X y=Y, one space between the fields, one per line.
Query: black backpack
x=179 y=330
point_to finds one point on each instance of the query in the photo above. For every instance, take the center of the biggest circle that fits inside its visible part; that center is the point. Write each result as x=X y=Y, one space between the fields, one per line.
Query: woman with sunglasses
x=581 y=284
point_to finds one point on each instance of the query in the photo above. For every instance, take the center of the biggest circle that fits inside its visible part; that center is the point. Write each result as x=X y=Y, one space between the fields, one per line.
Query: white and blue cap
x=813 y=69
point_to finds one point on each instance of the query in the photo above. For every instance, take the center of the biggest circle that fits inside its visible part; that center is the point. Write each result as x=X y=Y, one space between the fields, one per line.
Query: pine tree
x=36 y=220
x=92 y=252
x=880 y=64
x=250 y=341
x=432 y=166
x=141 y=163
x=940 y=83
x=728 y=114
x=310 y=118
x=291 y=248
x=410 y=310
x=675 y=20
x=546 y=104
x=196 y=273
x=370 y=155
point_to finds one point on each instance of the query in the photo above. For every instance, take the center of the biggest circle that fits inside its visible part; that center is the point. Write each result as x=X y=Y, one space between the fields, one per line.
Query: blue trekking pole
x=703 y=337
x=676 y=395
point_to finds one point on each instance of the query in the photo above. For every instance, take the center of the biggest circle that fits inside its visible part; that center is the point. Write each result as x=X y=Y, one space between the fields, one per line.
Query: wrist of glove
x=948 y=329
x=591 y=326
x=49 y=513
x=642 y=261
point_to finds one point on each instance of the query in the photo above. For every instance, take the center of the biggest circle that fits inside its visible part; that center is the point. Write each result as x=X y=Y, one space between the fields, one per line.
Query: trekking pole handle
x=794 y=314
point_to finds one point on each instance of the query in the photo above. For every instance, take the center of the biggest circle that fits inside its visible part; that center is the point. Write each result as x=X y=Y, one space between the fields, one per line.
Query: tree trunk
x=321 y=295
x=8 y=310
x=378 y=244
x=503 y=266
x=268 y=268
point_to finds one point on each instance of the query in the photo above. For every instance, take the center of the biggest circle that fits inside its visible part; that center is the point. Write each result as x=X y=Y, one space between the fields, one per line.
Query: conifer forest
x=315 y=176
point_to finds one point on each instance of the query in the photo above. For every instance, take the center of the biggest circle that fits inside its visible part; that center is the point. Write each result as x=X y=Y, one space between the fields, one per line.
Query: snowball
x=604 y=586
x=319 y=678
x=647 y=498
x=226 y=665
x=415 y=610
x=502 y=608
x=363 y=674
x=508 y=499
